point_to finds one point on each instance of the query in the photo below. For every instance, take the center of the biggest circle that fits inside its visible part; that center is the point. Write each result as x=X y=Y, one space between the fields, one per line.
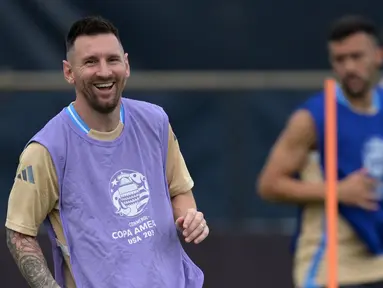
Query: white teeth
x=103 y=85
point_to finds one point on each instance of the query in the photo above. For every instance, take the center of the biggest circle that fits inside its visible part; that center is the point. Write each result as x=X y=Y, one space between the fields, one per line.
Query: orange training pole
x=331 y=165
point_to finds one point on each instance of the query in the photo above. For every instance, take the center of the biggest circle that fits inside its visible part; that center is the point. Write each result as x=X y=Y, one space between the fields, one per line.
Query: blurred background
x=227 y=72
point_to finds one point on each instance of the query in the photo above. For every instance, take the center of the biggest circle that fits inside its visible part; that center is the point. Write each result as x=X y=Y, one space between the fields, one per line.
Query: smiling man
x=107 y=178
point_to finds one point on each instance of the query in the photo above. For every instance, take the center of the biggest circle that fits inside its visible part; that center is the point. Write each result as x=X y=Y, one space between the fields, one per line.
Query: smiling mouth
x=104 y=86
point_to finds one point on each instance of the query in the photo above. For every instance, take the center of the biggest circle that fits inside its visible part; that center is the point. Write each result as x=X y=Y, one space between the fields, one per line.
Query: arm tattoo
x=29 y=258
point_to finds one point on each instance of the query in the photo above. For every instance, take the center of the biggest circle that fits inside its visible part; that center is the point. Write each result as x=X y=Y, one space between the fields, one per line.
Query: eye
x=90 y=62
x=356 y=56
x=339 y=58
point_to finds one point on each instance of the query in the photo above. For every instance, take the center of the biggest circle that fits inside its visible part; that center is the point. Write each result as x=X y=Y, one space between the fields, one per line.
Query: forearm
x=291 y=190
x=29 y=258
x=182 y=202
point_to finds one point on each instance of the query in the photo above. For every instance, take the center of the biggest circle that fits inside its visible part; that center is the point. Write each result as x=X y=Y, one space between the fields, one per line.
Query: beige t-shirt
x=35 y=193
x=356 y=264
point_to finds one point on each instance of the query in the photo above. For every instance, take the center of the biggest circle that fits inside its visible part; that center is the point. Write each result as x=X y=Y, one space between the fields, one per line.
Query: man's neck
x=363 y=104
x=95 y=120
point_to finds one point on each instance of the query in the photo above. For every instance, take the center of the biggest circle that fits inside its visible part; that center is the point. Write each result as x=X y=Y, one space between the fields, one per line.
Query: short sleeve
x=35 y=191
x=177 y=173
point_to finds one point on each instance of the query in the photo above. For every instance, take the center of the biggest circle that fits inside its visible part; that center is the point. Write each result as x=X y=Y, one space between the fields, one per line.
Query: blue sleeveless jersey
x=360 y=145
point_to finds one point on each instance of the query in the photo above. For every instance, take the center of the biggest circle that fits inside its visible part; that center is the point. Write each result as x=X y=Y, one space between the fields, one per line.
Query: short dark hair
x=352 y=24
x=90 y=26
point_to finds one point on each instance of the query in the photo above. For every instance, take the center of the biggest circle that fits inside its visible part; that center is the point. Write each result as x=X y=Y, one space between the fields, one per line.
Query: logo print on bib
x=373 y=162
x=130 y=192
x=373 y=157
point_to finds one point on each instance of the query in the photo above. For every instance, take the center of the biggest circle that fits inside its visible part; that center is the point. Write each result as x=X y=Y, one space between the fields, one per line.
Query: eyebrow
x=90 y=57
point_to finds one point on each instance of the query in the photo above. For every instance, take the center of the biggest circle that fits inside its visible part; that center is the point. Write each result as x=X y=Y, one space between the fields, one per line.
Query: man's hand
x=193 y=226
x=358 y=189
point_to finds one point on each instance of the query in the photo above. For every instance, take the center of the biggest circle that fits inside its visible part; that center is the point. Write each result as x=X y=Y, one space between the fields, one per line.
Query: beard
x=100 y=106
x=355 y=86
x=103 y=101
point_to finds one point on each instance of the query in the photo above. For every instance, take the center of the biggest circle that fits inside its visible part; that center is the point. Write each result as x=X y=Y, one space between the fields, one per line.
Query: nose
x=104 y=70
x=349 y=65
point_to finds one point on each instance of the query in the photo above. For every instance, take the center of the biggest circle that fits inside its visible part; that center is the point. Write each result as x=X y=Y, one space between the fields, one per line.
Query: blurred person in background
x=107 y=177
x=356 y=59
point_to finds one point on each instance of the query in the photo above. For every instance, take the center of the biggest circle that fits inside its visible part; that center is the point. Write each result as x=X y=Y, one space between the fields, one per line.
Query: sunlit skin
x=356 y=60
x=94 y=60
